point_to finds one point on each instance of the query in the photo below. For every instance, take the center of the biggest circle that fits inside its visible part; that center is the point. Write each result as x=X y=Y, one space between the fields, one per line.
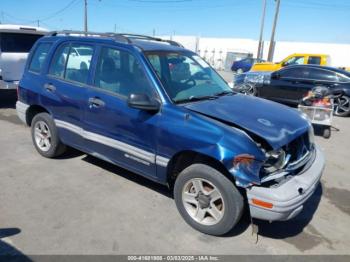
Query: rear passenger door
x=65 y=90
x=114 y=131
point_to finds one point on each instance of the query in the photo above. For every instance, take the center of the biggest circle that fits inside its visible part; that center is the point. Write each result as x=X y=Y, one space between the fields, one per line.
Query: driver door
x=114 y=131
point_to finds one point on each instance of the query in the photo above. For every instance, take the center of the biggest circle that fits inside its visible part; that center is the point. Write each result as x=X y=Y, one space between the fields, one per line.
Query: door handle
x=96 y=102
x=49 y=87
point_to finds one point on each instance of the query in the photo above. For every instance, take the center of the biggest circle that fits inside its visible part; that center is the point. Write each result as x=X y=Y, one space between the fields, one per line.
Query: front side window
x=296 y=60
x=297 y=72
x=186 y=77
x=39 y=57
x=119 y=72
x=17 y=42
x=69 y=64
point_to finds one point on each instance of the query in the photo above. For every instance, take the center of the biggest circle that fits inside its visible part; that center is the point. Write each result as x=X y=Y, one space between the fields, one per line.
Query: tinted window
x=343 y=78
x=323 y=75
x=39 y=57
x=314 y=60
x=299 y=72
x=58 y=63
x=78 y=64
x=119 y=72
x=17 y=43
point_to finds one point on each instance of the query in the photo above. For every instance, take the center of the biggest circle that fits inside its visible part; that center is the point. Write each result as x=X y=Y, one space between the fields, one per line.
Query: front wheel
x=207 y=200
x=342 y=106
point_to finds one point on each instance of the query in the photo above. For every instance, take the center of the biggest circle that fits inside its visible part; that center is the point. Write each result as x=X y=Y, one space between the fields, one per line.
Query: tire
x=342 y=106
x=227 y=208
x=45 y=137
x=327 y=132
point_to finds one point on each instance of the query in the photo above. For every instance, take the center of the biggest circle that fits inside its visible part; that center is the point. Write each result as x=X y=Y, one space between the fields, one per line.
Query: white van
x=15 y=44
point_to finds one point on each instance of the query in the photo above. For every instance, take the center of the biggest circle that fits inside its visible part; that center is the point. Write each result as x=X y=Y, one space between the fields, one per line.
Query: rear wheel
x=45 y=136
x=342 y=106
x=207 y=200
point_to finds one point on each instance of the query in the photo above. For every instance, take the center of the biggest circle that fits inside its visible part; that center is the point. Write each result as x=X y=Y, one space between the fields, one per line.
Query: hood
x=276 y=124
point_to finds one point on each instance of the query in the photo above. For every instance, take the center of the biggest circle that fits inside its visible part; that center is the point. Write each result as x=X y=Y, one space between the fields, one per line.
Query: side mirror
x=275 y=75
x=143 y=102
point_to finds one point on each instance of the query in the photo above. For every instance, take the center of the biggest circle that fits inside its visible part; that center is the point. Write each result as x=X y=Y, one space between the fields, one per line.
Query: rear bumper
x=287 y=199
x=8 y=85
x=21 y=109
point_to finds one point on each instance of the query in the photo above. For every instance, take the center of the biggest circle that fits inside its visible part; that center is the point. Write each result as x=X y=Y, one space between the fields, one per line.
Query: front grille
x=300 y=152
x=298 y=148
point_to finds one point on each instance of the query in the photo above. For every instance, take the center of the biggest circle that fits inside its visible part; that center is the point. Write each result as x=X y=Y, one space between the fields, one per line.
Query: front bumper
x=8 y=84
x=288 y=198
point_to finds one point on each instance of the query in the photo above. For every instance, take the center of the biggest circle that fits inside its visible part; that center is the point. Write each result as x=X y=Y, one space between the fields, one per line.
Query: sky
x=299 y=20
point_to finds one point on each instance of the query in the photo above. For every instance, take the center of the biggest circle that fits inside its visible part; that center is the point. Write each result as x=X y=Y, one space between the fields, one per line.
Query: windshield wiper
x=196 y=98
x=224 y=93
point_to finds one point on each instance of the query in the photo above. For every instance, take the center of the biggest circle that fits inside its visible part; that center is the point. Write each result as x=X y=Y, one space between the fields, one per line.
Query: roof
x=334 y=69
x=22 y=29
x=146 y=43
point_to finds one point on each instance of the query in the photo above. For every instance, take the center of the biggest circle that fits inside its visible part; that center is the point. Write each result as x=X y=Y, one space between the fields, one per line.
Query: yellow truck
x=294 y=59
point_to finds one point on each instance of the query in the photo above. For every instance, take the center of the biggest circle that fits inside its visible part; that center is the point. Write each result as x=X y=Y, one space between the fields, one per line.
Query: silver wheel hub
x=42 y=136
x=203 y=201
x=341 y=105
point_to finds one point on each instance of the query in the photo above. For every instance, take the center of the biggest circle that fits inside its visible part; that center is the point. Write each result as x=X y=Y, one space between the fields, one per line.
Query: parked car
x=294 y=59
x=244 y=65
x=162 y=112
x=15 y=44
x=289 y=85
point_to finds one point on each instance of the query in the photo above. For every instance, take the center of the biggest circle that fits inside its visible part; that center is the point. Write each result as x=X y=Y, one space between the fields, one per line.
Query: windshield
x=17 y=42
x=186 y=77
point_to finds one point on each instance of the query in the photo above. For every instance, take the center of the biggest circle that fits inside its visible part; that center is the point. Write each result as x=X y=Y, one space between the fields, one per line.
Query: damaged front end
x=287 y=178
x=279 y=164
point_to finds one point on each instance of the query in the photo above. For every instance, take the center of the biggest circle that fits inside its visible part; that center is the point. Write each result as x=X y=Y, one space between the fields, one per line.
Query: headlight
x=275 y=161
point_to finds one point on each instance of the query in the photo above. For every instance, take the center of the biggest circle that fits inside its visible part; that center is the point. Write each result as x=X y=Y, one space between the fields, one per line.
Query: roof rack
x=121 y=37
x=117 y=37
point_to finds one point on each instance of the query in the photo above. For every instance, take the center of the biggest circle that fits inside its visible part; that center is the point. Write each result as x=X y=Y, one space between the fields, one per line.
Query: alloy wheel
x=203 y=201
x=42 y=136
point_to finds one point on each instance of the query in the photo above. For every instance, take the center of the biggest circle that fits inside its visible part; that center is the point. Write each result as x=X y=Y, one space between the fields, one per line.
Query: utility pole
x=115 y=28
x=272 y=41
x=154 y=32
x=260 y=47
x=38 y=22
x=85 y=17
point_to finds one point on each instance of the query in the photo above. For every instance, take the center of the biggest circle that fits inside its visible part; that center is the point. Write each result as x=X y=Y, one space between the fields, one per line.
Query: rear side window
x=78 y=64
x=72 y=62
x=314 y=60
x=39 y=57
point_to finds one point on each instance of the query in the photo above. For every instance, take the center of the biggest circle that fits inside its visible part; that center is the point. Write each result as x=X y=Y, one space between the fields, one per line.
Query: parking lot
x=78 y=204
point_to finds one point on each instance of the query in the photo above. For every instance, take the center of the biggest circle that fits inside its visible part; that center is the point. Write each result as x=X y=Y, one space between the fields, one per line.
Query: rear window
x=39 y=57
x=17 y=42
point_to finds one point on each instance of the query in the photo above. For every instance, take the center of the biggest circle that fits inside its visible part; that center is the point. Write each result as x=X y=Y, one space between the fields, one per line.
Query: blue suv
x=159 y=110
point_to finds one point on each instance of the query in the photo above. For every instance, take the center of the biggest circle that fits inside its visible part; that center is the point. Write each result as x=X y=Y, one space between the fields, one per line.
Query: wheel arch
x=184 y=159
x=32 y=111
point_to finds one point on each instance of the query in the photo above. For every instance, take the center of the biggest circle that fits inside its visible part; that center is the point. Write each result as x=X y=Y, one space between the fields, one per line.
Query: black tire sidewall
x=56 y=145
x=232 y=198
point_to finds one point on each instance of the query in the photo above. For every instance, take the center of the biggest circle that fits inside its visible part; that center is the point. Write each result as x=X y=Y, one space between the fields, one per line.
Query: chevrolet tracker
x=159 y=110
